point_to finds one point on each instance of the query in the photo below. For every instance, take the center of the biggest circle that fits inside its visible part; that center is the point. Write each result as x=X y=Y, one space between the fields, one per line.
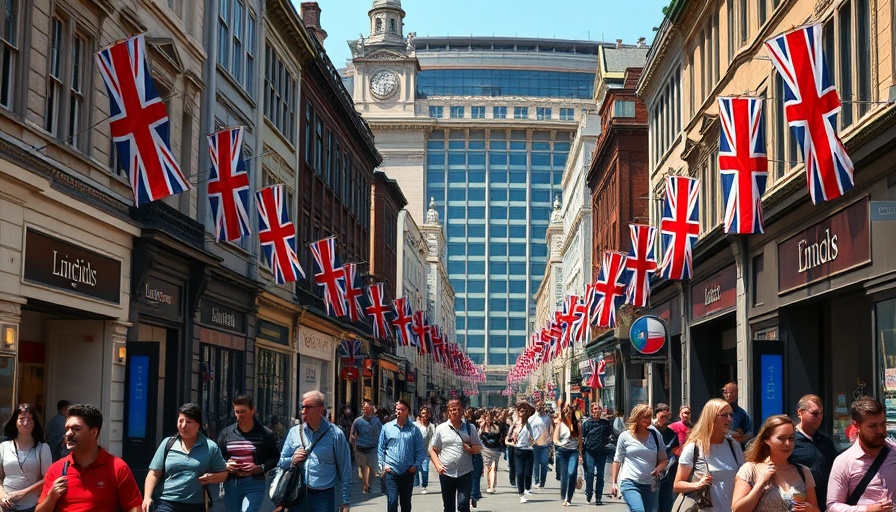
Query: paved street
x=506 y=499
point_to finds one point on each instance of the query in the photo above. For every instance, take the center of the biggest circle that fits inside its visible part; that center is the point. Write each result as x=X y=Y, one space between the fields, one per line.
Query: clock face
x=383 y=84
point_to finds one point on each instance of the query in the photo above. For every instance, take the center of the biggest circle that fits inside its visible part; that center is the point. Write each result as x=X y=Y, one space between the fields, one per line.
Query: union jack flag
x=277 y=235
x=640 y=264
x=566 y=319
x=402 y=322
x=610 y=288
x=353 y=292
x=581 y=328
x=742 y=163
x=811 y=105
x=329 y=275
x=379 y=311
x=598 y=372
x=228 y=185
x=351 y=350
x=139 y=122
x=438 y=343
x=680 y=226
x=423 y=332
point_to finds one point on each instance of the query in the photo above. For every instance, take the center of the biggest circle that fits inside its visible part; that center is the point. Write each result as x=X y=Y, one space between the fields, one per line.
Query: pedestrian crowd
x=713 y=463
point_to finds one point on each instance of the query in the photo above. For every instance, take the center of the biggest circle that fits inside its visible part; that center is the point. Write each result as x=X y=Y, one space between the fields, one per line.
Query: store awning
x=388 y=365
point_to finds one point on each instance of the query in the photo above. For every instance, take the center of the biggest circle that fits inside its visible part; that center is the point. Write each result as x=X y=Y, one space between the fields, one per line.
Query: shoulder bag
x=693 y=501
x=287 y=486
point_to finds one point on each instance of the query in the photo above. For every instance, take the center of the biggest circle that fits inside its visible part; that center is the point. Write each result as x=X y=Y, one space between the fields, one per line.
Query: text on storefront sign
x=66 y=266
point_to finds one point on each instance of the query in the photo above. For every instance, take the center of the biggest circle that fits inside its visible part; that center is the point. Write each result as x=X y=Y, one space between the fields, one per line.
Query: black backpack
x=597 y=435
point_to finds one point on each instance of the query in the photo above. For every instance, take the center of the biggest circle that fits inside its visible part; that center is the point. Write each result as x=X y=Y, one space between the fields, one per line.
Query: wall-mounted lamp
x=10 y=336
x=121 y=353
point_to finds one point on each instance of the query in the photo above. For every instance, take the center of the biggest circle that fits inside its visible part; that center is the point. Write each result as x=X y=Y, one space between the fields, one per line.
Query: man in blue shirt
x=741 y=429
x=329 y=462
x=400 y=453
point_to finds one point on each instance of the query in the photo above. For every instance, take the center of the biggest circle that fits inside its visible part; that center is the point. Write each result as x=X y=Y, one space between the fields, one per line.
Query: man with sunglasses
x=812 y=447
x=400 y=453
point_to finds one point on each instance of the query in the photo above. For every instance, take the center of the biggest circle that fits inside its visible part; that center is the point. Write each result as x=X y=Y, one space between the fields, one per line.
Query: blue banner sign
x=137 y=396
x=883 y=210
x=771 y=385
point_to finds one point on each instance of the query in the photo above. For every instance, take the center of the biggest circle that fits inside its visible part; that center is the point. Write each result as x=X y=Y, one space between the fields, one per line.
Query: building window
x=319 y=145
x=761 y=11
x=280 y=87
x=623 y=108
x=436 y=112
x=477 y=112
x=499 y=112
x=272 y=395
x=787 y=154
x=236 y=64
x=65 y=115
x=744 y=22
x=758 y=266
x=847 y=40
x=567 y=114
x=236 y=42
x=9 y=25
x=542 y=113
x=224 y=21
x=521 y=112
x=457 y=112
x=732 y=19
x=250 y=54
x=309 y=133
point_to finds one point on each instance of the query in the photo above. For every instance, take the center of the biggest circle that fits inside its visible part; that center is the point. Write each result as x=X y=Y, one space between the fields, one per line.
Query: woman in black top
x=492 y=437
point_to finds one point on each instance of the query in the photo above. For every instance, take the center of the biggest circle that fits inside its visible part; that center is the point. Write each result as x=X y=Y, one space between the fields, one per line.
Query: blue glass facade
x=505 y=82
x=494 y=190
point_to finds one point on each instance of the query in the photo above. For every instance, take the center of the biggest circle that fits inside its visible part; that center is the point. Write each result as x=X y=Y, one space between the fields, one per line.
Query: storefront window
x=608 y=392
x=221 y=379
x=7 y=386
x=885 y=313
x=273 y=391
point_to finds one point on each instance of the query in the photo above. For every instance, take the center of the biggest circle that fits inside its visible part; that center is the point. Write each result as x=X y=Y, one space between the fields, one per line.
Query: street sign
x=648 y=334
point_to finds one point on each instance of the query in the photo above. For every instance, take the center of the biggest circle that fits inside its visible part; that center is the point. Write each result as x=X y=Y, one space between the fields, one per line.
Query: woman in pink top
x=682 y=427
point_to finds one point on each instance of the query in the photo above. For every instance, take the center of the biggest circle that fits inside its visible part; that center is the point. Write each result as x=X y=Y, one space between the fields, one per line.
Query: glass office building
x=495 y=187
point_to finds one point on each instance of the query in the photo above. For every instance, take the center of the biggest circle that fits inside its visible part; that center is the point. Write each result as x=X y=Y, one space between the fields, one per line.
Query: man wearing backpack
x=596 y=433
x=863 y=471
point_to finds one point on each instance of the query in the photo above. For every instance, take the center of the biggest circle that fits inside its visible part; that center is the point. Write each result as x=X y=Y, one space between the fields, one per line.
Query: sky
x=595 y=20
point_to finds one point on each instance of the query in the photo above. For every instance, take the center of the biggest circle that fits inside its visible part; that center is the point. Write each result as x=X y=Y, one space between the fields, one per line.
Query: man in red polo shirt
x=89 y=478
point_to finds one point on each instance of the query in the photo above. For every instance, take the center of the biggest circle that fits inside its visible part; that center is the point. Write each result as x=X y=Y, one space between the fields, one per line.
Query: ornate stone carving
x=432 y=215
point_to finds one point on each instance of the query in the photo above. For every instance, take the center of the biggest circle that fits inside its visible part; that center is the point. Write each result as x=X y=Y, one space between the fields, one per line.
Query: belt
x=365 y=448
x=318 y=491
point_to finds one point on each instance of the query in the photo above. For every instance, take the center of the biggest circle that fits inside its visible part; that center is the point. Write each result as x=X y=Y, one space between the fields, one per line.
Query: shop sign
x=316 y=344
x=164 y=297
x=715 y=294
x=272 y=332
x=309 y=372
x=648 y=337
x=224 y=317
x=68 y=267
x=350 y=373
x=883 y=210
x=833 y=246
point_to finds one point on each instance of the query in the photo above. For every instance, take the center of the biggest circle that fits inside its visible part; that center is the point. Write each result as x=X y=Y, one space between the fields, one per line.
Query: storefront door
x=141 y=405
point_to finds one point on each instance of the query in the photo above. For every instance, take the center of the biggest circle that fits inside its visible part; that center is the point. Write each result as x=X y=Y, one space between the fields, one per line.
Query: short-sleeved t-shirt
x=639 y=459
x=449 y=442
x=722 y=464
x=182 y=470
x=775 y=498
x=106 y=484
x=22 y=468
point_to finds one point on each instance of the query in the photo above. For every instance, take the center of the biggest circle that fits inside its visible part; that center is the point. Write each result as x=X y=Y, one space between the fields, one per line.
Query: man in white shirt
x=542 y=432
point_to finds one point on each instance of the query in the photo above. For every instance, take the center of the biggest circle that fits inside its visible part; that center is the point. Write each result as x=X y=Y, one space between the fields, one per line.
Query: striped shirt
x=400 y=448
x=257 y=446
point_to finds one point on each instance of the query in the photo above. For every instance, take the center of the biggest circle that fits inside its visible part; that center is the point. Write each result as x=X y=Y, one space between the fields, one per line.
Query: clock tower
x=385 y=67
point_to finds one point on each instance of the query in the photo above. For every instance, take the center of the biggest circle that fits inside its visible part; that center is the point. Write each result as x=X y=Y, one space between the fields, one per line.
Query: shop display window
x=885 y=329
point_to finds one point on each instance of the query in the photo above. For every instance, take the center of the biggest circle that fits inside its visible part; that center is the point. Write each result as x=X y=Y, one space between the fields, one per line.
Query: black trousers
x=456 y=492
x=525 y=460
x=399 y=489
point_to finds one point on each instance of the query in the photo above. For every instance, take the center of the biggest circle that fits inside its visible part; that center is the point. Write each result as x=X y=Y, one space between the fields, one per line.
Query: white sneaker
x=523 y=499
x=424 y=491
x=527 y=492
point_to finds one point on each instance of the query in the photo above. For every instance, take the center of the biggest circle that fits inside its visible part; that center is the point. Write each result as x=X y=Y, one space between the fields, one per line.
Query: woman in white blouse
x=640 y=460
x=25 y=459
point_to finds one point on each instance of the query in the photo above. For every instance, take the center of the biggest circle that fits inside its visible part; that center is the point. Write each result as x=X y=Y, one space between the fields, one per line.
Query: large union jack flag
x=277 y=235
x=610 y=288
x=811 y=105
x=742 y=163
x=680 y=226
x=228 y=185
x=641 y=264
x=353 y=291
x=403 y=322
x=329 y=275
x=379 y=311
x=139 y=122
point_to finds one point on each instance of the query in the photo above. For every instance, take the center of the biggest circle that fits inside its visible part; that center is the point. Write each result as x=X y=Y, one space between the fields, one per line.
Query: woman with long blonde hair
x=640 y=460
x=768 y=482
x=710 y=459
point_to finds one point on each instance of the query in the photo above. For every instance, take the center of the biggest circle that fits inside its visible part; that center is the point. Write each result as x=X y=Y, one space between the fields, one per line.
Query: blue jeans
x=595 y=469
x=422 y=473
x=523 y=468
x=540 y=467
x=244 y=494
x=318 y=501
x=638 y=497
x=399 y=489
x=456 y=492
x=567 y=462
x=476 y=491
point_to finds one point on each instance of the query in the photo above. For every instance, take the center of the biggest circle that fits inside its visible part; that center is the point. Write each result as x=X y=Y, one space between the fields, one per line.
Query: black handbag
x=288 y=487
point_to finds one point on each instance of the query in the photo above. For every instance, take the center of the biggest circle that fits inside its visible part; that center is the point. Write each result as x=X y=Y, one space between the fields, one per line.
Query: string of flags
x=811 y=105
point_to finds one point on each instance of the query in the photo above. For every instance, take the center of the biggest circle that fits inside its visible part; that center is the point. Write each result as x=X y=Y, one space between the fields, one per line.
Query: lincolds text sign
x=66 y=266
x=837 y=244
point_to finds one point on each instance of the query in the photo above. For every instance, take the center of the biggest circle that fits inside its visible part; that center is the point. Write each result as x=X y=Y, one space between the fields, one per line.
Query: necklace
x=21 y=461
